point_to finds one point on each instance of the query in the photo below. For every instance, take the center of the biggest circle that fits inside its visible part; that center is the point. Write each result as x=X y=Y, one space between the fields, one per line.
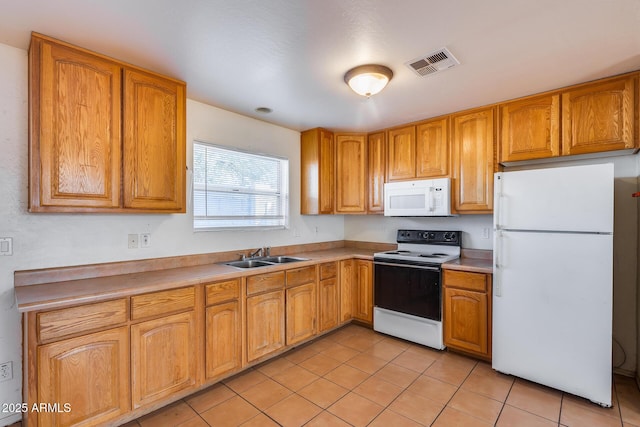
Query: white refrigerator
x=553 y=278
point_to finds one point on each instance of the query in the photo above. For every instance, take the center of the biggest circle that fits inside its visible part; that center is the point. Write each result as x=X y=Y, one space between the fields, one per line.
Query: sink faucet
x=256 y=253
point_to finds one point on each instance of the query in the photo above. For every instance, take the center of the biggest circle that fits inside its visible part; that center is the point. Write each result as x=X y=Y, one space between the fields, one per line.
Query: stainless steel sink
x=249 y=263
x=282 y=259
x=264 y=261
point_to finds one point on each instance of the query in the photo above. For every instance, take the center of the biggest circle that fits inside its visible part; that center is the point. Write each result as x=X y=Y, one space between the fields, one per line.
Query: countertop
x=56 y=294
x=65 y=293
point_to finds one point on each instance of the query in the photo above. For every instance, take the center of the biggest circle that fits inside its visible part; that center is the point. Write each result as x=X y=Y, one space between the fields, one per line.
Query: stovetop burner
x=435 y=247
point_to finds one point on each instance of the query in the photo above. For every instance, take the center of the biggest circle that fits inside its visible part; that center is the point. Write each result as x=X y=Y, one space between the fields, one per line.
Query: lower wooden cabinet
x=301 y=313
x=114 y=359
x=222 y=340
x=363 y=298
x=328 y=297
x=163 y=357
x=356 y=290
x=467 y=312
x=265 y=324
x=90 y=373
x=347 y=287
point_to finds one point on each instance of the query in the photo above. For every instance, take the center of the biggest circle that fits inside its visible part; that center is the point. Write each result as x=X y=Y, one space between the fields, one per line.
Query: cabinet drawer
x=328 y=270
x=265 y=282
x=164 y=302
x=73 y=320
x=302 y=275
x=465 y=280
x=222 y=291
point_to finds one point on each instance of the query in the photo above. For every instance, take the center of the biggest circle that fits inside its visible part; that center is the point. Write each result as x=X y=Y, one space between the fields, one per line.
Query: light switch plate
x=132 y=240
x=6 y=246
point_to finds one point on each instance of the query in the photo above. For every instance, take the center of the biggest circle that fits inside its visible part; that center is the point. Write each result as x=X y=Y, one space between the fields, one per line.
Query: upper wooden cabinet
x=154 y=142
x=377 y=153
x=351 y=170
x=432 y=149
x=530 y=128
x=473 y=141
x=317 y=172
x=88 y=113
x=401 y=153
x=600 y=117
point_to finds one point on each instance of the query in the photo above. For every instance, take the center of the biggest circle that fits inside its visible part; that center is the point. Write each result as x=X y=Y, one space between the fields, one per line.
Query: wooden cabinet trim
x=299 y=276
x=465 y=280
x=162 y=303
x=222 y=291
x=65 y=322
x=265 y=282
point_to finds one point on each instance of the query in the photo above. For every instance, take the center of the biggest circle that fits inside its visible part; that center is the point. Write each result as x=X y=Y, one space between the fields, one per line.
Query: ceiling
x=291 y=55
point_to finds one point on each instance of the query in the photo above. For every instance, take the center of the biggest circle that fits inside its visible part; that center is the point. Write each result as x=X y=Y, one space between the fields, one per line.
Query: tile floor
x=357 y=377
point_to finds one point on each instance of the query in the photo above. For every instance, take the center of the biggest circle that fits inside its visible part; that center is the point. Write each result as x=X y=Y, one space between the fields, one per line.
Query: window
x=234 y=189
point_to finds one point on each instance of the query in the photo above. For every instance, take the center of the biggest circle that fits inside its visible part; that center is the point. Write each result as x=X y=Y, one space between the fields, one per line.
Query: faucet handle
x=267 y=251
x=242 y=256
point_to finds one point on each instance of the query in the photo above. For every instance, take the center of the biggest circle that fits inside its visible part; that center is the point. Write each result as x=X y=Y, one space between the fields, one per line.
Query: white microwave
x=426 y=197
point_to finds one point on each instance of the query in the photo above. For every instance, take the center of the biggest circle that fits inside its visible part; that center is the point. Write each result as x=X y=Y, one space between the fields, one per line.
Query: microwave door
x=407 y=202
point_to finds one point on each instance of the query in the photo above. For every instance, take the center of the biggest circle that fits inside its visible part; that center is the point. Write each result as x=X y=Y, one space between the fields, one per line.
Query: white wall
x=52 y=240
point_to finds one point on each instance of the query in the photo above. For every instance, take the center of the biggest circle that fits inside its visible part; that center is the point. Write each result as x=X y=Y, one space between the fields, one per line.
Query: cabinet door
x=432 y=149
x=329 y=312
x=473 y=140
x=363 y=299
x=599 y=117
x=401 y=160
x=466 y=320
x=301 y=313
x=154 y=142
x=75 y=134
x=530 y=129
x=351 y=169
x=222 y=341
x=317 y=158
x=377 y=153
x=347 y=289
x=265 y=324
x=91 y=373
x=163 y=357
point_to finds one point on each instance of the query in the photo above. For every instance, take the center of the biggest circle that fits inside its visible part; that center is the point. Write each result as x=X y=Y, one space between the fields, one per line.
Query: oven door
x=410 y=289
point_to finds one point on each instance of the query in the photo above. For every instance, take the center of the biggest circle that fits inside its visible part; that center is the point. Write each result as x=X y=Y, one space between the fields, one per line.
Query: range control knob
x=448 y=236
x=432 y=236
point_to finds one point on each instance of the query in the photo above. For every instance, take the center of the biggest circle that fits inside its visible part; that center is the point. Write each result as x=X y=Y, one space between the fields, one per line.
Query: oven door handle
x=421 y=267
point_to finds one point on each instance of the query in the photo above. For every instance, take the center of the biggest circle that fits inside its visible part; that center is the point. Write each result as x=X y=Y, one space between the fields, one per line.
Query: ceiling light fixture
x=367 y=80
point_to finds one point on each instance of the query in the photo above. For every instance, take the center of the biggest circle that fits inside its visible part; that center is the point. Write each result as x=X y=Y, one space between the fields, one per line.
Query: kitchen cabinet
x=265 y=314
x=163 y=349
x=401 y=153
x=347 y=289
x=377 y=154
x=76 y=348
x=90 y=373
x=530 y=128
x=600 y=116
x=473 y=137
x=104 y=135
x=223 y=327
x=328 y=297
x=351 y=170
x=154 y=138
x=317 y=152
x=432 y=149
x=301 y=304
x=467 y=312
x=363 y=291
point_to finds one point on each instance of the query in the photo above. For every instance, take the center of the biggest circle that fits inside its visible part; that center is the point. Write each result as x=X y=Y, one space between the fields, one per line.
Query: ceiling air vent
x=433 y=62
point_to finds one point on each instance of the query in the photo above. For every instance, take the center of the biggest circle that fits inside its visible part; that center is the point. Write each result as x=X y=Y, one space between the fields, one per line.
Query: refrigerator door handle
x=498 y=201
x=498 y=263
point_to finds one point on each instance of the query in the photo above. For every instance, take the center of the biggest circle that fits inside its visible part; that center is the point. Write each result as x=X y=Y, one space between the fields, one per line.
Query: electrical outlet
x=6 y=371
x=6 y=246
x=485 y=233
x=145 y=240
x=133 y=241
